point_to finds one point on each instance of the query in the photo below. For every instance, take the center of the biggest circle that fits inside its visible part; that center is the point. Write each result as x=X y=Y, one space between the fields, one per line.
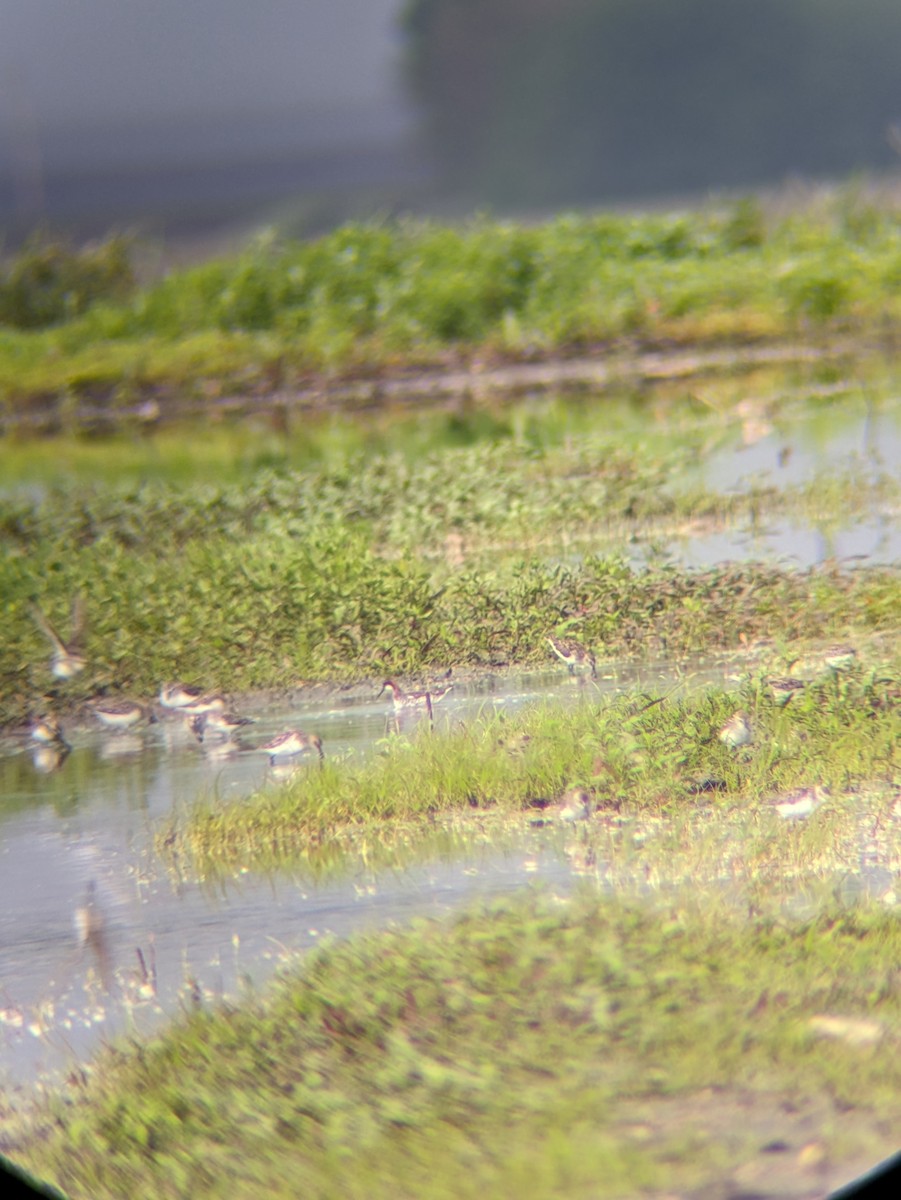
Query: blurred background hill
x=189 y=115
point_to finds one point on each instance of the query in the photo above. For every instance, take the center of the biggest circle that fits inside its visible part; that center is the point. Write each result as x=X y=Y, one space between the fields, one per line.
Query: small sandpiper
x=839 y=657
x=67 y=658
x=574 y=654
x=178 y=695
x=47 y=731
x=404 y=699
x=574 y=805
x=213 y=702
x=225 y=724
x=737 y=731
x=783 y=688
x=290 y=743
x=120 y=714
x=800 y=803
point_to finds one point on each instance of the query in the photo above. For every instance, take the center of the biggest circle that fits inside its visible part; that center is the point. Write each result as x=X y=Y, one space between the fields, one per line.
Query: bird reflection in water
x=90 y=929
x=47 y=759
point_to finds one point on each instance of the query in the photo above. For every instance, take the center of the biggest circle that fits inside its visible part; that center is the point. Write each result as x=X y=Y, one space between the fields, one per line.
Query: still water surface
x=94 y=818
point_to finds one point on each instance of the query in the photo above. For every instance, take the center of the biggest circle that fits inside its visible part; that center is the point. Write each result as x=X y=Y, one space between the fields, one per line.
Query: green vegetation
x=369 y=298
x=645 y=434
x=513 y=1052
x=313 y=602
x=532 y=1049
x=638 y=756
x=49 y=282
x=408 y=558
x=256 y=559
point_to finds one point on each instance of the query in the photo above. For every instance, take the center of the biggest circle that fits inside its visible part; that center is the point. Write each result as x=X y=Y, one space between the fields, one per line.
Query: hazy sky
x=77 y=63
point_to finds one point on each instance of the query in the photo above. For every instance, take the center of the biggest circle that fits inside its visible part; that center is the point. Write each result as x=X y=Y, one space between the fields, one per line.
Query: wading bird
x=574 y=805
x=120 y=714
x=404 y=699
x=179 y=695
x=839 y=657
x=736 y=732
x=783 y=688
x=574 y=654
x=291 y=743
x=47 y=731
x=67 y=658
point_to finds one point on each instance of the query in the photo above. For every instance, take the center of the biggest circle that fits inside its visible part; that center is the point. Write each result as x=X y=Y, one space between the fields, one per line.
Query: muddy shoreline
x=460 y=378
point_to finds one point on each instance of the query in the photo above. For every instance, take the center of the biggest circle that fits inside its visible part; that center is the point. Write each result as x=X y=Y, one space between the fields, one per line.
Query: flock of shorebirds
x=210 y=720
x=737 y=731
x=206 y=713
x=576 y=803
x=208 y=716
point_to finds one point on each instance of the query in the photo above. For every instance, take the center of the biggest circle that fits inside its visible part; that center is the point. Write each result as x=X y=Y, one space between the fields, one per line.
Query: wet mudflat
x=164 y=941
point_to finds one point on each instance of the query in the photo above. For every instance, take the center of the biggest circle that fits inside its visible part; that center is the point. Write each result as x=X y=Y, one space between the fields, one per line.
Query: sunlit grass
x=637 y=756
x=369 y=297
x=341 y=548
x=234 y=593
x=520 y=1049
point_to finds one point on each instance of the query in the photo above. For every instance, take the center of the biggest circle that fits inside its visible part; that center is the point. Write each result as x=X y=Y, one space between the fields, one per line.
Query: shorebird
x=574 y=805
x=736 y=732
x=178 y=695
x=404 y=699
x=839 y=657
x=120 y=714
x=801 y=802
x=213 y=721
x=67 y=658
x=783 y=688
x=291 y=743
x=47 y=731
x=212 y=702
x=574 y=654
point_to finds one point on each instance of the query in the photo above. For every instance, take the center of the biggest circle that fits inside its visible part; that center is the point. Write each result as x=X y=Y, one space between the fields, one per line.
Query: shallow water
x=93 y=818
x=855 y=437
x=784 y=452
x=875 y=541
